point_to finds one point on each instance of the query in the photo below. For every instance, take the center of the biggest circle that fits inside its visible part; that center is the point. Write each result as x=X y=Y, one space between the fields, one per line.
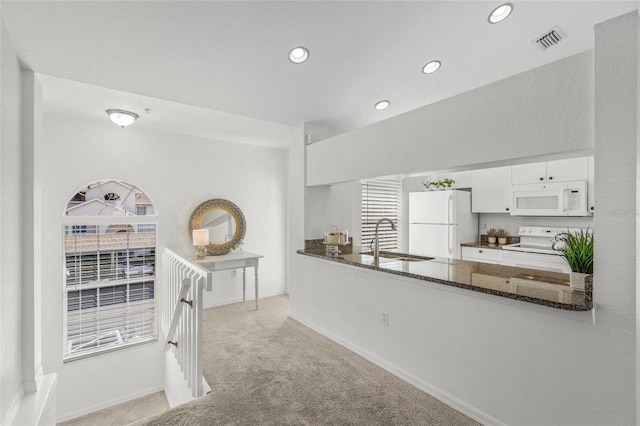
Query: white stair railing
x=183 y=283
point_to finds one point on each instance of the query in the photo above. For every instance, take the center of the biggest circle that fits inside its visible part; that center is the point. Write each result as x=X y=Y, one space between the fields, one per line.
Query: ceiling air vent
x=550 y=38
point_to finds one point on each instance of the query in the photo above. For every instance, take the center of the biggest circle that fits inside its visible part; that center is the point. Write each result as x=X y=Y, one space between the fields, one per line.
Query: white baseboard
x=109 y=403
x=423 y=385
x=13 y=408
x=38 y=407
x=251 y=298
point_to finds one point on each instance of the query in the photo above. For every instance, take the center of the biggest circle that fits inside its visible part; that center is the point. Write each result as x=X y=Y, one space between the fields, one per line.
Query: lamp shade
x=200 y=237
x=121 y=117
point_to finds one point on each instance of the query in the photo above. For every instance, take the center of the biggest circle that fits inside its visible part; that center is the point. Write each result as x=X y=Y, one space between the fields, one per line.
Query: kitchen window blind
x=382 y=198
x=109 y=287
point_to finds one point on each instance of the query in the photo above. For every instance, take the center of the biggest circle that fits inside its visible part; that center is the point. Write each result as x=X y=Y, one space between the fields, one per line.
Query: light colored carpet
x=265 y=368
x=125 y=413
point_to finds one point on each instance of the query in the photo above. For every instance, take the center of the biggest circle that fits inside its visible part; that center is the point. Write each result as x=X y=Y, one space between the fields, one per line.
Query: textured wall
x=542 y=111
x=616 y=166
x=10 y=225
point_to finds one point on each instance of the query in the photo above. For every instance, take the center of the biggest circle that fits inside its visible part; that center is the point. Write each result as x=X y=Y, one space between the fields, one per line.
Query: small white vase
x=502 y=240
x=577 y=280
x=492 y=240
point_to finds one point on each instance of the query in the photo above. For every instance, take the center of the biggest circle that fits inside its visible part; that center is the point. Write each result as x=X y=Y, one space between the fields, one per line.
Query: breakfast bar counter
x=546 y=288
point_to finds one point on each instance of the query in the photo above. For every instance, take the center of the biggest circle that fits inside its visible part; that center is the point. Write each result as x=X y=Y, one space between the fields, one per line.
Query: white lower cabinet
x=478 y=254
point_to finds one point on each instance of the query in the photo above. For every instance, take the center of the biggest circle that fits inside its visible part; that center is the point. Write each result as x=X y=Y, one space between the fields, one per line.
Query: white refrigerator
x=439 y=221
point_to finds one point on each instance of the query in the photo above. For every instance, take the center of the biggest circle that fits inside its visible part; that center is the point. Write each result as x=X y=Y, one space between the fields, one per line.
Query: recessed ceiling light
x=298 y=55
x=382 y=105
x=500 y=13
x=121 y=117
x=431 y=67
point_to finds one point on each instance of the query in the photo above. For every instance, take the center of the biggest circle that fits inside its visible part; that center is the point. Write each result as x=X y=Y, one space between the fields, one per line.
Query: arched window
x=111 y=198
x=109 y=274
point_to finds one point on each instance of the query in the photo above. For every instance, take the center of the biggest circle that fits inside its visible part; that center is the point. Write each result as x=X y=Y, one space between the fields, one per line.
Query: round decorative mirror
x=225 y=223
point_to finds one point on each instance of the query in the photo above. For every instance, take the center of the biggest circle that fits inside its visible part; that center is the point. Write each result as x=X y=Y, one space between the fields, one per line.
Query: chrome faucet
x=376 y=239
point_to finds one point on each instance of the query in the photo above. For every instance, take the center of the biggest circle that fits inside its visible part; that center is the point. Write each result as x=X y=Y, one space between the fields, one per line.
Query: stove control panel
x=543 y=231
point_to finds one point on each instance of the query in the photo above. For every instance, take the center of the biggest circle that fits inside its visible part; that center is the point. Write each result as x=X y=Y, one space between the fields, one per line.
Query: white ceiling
x=231 y=56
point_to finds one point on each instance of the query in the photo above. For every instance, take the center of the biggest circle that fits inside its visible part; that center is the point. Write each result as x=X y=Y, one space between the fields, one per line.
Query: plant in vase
x=502 y=235
x=438 y=184
x=577 y=249
x=492 y=236
x=447 y=182
x=237 y=248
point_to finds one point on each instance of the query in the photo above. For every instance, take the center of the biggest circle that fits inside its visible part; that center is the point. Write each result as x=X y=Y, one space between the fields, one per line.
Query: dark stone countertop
x=527 y=285
x=482 y=245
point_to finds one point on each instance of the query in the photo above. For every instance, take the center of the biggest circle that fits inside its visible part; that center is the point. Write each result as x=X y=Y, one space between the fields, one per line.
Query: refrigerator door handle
x=449 y=239
x=450 y=207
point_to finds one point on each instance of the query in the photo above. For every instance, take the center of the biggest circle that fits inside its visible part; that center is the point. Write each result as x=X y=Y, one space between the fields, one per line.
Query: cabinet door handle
x=479 y=251
x=550 y=177
x=507 y=209
x=591 y=207
x=541 y=178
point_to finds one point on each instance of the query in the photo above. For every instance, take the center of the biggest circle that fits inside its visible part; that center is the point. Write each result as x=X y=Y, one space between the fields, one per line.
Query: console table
x=242 y=260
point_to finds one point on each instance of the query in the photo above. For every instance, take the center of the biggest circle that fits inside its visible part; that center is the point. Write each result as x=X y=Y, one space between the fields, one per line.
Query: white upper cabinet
x=491 y=190
x=529 y=173
x=567 y=170
x=550 y=171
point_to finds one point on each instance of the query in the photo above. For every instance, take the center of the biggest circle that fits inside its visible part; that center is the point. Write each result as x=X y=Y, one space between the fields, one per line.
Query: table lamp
x=200 y=241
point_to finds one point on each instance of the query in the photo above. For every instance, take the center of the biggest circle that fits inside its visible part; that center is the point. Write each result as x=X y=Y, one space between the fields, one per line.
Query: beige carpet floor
x=125 y=413
x=267 y=369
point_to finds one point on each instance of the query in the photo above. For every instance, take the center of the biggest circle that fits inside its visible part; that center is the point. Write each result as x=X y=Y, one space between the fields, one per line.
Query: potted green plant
x=448 y=182
x=577 y=249
x=438 y=184
x=492 y=236
x=502 y=235
x=428 y=184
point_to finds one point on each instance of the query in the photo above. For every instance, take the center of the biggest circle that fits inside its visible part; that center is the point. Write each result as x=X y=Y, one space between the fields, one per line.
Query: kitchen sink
x=399 y=256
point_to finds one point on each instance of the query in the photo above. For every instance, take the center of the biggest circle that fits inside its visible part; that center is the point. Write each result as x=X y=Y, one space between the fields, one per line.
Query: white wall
x=500 y=121
x=10 y=227
x=617 y=51
x=178 y=173
x=329 y=205
x=500 y=360
x=295 y=204
x=495 y=358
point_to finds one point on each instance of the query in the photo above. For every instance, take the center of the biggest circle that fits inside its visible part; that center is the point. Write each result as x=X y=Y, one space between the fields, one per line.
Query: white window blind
x=382 y=198
x=109 y=287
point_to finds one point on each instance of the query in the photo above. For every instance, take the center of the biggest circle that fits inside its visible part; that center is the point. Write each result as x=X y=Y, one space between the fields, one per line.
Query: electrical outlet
x=484 y=226
x=385 y=319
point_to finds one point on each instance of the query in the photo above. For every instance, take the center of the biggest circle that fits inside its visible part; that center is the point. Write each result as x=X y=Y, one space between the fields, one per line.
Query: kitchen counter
x=527 y=285
x=483 y=245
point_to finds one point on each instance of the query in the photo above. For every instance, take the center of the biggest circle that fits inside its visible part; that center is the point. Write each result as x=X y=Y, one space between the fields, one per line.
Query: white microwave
x=550 y=199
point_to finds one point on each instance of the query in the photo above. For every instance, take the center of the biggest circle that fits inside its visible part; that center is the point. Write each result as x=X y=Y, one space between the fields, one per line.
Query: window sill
x=71 y=358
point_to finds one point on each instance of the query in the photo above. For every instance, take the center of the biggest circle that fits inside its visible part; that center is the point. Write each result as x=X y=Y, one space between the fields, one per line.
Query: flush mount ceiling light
x=382 y=105
x=431 y=67
x=500 y=13
x=121 y=117
x=298 y=55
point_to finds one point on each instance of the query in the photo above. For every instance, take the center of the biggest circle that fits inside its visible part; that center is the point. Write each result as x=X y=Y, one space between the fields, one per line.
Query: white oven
x=532 y=260
x=550 y=199
x=534 y=249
